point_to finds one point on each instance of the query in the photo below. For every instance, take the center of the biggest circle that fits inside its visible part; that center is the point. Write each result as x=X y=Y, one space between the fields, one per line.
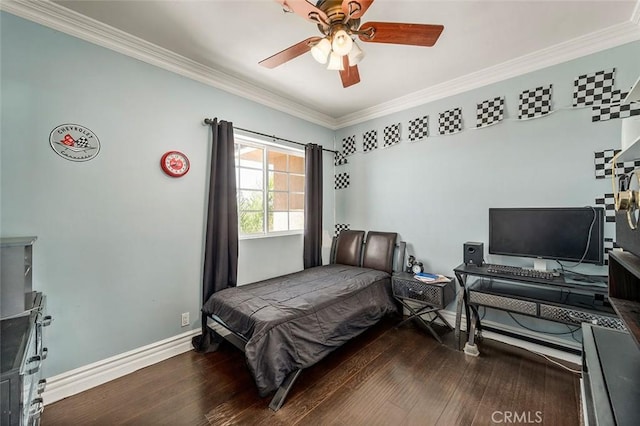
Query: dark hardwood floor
x=386 y=376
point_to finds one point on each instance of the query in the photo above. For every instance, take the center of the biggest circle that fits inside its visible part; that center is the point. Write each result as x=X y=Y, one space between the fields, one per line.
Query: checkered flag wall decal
x=601 y=160
x=370 y=140
x=341 y=227
x=608 y=202
x=534 y=103
x=342 y=181
x=593 y=89
x=391 y=134
x=626 y=167
x=419 y=128
x=82 y=142
x=490 y=112
x=603 y=168
x=609 y=245
x=339 y=159
x=349 y=145
x=450 y=122
x=616 y=97
x=616 y=109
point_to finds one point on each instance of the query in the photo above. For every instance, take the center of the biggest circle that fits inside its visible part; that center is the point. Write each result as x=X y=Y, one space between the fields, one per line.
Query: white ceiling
x=232 y=36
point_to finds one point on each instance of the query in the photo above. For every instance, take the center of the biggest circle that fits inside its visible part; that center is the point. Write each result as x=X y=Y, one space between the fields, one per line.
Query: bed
x=289 y=323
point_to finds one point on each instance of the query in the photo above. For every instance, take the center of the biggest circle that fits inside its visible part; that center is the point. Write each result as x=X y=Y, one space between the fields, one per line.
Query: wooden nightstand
x=423 y=298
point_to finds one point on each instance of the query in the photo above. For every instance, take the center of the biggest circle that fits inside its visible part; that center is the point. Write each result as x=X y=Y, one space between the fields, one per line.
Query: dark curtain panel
x=312 y=254
x=221 y=245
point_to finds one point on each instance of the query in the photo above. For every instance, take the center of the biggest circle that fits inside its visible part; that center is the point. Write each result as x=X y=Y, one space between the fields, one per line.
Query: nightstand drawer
x=438 y=295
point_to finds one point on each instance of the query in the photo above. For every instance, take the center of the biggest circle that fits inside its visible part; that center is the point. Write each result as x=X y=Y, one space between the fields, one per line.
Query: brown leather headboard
x=378 y=250
x=349 y=248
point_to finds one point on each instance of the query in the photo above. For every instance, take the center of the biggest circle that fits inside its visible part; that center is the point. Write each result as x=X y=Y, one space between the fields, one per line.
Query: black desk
x=556 y=300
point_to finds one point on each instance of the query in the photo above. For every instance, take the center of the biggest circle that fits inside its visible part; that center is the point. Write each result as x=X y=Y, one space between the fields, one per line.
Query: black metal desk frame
x=473 y=323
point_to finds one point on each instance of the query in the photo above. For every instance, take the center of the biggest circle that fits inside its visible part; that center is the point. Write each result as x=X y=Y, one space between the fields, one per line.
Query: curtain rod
x=209 y=121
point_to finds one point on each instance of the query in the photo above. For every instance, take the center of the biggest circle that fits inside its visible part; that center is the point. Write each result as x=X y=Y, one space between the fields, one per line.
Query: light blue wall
x=119 y=248
x=436 y=193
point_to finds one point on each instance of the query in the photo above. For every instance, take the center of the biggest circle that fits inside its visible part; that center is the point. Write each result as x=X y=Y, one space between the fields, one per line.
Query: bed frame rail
x=236 y=339
x=239 y=341
x=283 y=390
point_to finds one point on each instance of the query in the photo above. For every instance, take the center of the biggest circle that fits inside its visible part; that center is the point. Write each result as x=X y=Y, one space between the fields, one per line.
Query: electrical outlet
x=185 y=319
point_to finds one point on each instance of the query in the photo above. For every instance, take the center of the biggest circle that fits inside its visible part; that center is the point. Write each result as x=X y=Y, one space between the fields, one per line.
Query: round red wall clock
x=174 y=163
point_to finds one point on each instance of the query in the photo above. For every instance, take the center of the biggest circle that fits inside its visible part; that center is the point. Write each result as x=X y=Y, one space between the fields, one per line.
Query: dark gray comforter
x=293 y=321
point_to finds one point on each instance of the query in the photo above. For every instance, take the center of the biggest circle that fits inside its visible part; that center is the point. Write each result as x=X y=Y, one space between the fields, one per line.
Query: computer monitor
x=572 y=234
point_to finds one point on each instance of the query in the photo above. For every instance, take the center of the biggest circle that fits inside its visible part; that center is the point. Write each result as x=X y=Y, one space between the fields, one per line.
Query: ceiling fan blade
x=398 y=33
x=359 y=6
x=289 y=53
x=349 y=75
x=304 y=9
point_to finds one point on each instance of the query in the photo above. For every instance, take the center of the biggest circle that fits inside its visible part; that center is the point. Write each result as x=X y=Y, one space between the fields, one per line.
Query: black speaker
x=473 y=253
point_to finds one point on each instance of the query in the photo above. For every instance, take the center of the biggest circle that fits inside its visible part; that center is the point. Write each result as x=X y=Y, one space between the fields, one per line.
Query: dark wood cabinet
x=624 y=290
x=611 y=358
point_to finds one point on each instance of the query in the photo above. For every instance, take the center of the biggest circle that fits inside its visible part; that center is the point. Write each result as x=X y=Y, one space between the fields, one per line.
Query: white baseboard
x=97 y=373
x=529 y=346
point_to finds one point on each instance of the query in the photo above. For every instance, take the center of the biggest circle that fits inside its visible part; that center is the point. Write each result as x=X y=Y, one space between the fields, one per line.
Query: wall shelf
x=631 y=153
x=634 y=93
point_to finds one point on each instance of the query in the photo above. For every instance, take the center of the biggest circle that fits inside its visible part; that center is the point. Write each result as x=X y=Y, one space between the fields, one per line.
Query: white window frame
x=266 y=146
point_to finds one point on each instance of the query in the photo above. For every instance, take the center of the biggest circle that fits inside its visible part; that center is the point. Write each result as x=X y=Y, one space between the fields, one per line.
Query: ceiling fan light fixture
x=355 y=55
x=335 y=62
x=321 y=50
x=342 y=43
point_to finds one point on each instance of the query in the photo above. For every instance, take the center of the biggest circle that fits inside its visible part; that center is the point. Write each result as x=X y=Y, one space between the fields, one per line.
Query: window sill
x=270 y=235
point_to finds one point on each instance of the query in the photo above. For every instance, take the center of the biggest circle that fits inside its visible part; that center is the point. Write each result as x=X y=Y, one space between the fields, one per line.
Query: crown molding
x=59 y=18
x=607 y=38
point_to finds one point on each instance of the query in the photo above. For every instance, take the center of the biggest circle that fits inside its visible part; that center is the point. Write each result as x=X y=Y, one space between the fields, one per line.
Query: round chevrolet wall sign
x=74 y=142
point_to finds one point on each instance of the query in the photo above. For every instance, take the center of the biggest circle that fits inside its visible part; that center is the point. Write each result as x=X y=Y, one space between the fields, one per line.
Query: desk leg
x=470 y=348
x=465 y=298
x=462 y=301
x=459 y=302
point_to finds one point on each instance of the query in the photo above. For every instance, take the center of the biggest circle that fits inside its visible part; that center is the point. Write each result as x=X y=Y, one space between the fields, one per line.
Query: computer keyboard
x=520 y=272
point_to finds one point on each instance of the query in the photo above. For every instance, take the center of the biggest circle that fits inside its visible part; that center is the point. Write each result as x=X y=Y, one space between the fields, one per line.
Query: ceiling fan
x=339 y=22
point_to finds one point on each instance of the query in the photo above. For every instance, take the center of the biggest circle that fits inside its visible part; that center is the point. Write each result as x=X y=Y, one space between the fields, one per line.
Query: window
x=270 y=181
